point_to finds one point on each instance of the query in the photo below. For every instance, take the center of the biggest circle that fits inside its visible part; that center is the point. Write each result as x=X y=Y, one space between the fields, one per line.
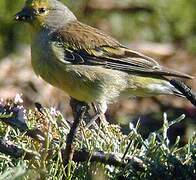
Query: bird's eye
x=41 y=10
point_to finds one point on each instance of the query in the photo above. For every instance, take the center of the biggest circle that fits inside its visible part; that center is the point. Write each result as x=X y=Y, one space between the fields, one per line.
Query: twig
x=109 y=159
x=10 y=149
x=35 y=134
x=127 y=149
x=14 y=116
x=185 y=90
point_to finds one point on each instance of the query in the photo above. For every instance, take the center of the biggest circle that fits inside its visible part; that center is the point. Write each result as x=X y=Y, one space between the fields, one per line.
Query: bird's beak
x=25 y=15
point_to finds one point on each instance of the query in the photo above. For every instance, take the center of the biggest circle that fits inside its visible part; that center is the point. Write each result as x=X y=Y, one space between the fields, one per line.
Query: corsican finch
x=86 y=63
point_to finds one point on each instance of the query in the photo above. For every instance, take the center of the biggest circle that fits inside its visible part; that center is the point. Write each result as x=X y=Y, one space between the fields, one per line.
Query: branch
x=10 y=149
x=16 y=119
x=78 y=156
x=185 y=90
x=35 y=134
x=109 y=159
x=79 y=109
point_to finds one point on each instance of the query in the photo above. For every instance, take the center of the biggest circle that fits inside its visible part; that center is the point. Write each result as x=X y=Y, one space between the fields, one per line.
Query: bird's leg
x=79 y=109
x=99 y=110
x=94 y=118
x=77 y=106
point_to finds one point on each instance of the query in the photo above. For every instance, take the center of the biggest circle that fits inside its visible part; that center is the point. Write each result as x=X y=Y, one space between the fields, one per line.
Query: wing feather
x=86 y=45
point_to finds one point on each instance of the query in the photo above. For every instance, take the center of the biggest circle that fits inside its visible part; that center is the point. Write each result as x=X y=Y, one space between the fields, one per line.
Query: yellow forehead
x=36 y=3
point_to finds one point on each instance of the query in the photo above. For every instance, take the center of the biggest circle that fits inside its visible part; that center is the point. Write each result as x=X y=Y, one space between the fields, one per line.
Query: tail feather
x=169 y=72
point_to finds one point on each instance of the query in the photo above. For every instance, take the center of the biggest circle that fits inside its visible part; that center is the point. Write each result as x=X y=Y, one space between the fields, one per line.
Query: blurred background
x=162 y=29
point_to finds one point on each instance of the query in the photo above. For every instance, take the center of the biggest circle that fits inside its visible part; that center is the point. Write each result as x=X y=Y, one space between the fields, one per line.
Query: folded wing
x=86 y=45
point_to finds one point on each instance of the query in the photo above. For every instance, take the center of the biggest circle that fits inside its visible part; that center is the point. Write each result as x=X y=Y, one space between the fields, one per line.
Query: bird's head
x=45 y=13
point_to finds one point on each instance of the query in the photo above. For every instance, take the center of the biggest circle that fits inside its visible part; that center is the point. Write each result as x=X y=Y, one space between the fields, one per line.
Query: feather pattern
x=89 y=46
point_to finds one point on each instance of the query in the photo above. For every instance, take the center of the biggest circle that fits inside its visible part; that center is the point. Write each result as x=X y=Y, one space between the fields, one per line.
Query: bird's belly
x=84 y=83
x=69 y=81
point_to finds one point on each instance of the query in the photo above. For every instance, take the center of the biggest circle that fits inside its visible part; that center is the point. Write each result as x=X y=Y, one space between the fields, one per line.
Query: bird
x=88 y=64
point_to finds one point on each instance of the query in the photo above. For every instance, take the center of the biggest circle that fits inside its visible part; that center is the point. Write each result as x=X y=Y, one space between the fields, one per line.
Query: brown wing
x=81 y=36
x=86 y=45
